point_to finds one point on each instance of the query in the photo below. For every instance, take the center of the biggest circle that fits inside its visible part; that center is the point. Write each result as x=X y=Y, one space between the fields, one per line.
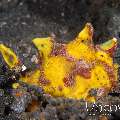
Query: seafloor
x=21 y=21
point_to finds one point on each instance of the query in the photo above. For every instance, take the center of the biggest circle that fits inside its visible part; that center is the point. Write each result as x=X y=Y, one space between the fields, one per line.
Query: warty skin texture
x=71 y=70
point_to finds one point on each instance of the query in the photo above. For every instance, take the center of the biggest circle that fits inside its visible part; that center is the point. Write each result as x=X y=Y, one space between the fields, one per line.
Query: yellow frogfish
x=71 y=70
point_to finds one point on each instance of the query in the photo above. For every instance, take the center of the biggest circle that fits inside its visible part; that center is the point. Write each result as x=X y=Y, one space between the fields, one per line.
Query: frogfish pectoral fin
x=9 y=56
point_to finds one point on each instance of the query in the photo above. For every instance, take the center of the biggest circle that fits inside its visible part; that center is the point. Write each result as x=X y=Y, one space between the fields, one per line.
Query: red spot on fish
x=58 y=49
x=69 y=80
x=86 y=73
x=43 y=80
x=82 y=69
x=60 y=88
